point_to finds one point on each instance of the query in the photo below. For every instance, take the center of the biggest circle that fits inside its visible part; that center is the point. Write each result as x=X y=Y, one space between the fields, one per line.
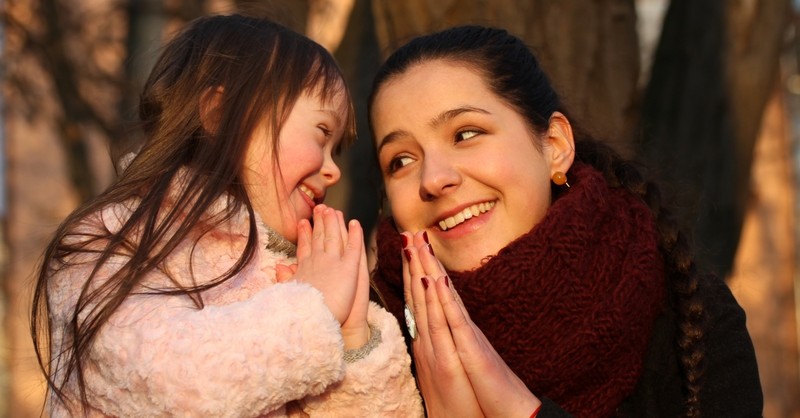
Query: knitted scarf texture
x=570 y=305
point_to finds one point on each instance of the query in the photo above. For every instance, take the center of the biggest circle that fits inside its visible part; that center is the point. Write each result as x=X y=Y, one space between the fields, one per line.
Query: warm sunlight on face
x=307 y=141
x=459 y=162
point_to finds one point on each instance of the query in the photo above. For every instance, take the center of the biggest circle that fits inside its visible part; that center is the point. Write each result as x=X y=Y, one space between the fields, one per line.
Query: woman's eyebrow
x=452 y=113
x=391 y=137
x=435 y=122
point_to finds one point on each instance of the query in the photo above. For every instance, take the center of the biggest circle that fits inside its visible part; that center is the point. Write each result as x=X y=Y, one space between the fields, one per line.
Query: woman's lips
x=465 y=214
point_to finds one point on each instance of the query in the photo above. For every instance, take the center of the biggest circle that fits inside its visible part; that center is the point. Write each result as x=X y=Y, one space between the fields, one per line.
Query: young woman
x=179 y=291
x=538 y=272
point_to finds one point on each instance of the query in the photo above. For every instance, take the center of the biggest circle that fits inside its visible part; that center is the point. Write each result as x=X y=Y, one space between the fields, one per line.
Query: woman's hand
x=332 y=259
x=442 y=379
x=497 y=389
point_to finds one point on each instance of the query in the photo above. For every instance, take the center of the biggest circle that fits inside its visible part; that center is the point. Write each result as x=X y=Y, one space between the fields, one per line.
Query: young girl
x=576 y=292
x=180 y=291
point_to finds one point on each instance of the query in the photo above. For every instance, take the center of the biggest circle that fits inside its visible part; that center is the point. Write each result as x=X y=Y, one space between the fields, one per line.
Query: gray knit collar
x=277 y=243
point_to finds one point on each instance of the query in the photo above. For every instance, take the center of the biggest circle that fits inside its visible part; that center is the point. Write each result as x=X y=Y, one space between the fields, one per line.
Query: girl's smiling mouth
x=313 y=199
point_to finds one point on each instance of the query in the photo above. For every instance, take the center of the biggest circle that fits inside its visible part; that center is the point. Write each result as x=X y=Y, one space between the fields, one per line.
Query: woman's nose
x=439 y=176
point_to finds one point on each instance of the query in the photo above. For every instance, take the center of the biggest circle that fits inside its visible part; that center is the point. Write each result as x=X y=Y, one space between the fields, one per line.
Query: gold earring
x=560 y=178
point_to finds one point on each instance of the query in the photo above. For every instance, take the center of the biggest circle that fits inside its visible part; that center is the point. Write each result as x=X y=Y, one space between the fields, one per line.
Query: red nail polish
x=425 y=282
x=425 y=237
x=407 y=253
x=405 y=240
x=430 y=248
x=446 y=281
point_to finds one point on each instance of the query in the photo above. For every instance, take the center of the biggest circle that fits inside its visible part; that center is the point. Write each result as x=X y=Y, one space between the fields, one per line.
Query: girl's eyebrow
x=435 y=122
x=332 y=113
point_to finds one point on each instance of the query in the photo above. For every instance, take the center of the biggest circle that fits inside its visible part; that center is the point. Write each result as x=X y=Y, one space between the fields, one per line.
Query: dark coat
x=731 y=388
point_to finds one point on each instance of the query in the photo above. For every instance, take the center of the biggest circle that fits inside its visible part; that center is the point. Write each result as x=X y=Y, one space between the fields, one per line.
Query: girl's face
x=284 y=195
x=462 y=164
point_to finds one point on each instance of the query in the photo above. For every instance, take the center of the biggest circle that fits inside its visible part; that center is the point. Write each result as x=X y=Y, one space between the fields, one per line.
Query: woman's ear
x=209 y=108
x=560 y=143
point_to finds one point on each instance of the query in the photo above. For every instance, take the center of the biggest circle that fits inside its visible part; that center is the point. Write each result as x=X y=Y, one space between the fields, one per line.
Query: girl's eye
x=466 y=134
x=398 y=163
x=325 y=131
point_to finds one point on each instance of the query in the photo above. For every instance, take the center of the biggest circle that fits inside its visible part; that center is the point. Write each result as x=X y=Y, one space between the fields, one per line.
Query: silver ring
x=411 y=324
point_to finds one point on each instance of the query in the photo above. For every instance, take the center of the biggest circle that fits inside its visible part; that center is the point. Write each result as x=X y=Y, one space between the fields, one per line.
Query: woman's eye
x=467 y=134
x=398 y=163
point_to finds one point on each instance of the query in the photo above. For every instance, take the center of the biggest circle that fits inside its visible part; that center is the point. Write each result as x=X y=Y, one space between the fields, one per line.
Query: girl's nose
x=330 y=171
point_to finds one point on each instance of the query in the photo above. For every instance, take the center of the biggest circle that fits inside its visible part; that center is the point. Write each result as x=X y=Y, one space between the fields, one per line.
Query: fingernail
x=430 y=248
x=446 y=281
x=405 y=240
x=407 y=253
x=425 y=237
x=425 y=282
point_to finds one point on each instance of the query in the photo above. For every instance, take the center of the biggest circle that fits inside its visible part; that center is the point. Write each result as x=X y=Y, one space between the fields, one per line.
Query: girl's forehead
x=330 y=94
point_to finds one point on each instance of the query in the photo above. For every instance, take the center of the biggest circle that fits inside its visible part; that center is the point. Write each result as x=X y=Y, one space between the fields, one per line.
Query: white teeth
x=465 y=214
x=307 y=191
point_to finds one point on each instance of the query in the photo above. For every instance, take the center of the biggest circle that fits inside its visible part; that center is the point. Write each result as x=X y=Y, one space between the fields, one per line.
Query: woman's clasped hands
x=459 y=372
x=332 y=258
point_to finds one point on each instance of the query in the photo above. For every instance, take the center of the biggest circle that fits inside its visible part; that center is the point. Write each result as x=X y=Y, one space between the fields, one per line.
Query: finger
x=430 y=264
x=414 y=265
x=406 y=269
x=333 y=241
x=418 y=286
x=284 y=273
x=355 y=243
x=318 y=228
x=440 y=334
x=303 y=239
x=464 y=332
x=342 y=226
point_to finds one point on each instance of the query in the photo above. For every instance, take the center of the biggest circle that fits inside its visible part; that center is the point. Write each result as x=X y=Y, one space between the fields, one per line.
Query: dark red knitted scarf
x=570 y=305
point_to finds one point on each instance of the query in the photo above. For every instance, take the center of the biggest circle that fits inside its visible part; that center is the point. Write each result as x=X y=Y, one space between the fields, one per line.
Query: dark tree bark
x=360 y=57
x=589 y=49
x=702 y=110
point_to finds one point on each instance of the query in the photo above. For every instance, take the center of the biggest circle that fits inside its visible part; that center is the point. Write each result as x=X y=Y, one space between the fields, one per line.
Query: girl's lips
x=308 y=200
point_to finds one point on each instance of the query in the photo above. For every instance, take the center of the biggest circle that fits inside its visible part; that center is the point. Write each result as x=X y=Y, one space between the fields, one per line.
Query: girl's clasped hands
x=332 y=258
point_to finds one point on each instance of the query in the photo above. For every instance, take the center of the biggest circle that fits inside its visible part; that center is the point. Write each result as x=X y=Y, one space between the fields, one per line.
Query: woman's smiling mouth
x=465 y=214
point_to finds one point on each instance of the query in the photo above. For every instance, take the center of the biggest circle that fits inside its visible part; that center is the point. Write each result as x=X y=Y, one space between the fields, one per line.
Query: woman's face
x=307 y=141
x=460 y=163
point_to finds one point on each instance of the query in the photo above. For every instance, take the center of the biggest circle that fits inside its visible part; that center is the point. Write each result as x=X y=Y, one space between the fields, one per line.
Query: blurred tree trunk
x=61 y=81
x=763 y=277
x=589 y=49
x=710 y=81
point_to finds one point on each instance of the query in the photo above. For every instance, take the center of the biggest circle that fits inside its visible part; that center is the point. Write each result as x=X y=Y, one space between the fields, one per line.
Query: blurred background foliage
x=704 y=92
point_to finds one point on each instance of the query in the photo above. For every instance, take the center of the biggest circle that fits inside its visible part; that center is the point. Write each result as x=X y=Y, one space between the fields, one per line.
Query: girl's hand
x=442 y=378
x=355 y=329
x=330 y=258
x=498 y=390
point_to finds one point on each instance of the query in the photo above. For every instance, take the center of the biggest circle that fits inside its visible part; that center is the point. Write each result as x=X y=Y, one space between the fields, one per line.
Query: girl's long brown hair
x=260 y=68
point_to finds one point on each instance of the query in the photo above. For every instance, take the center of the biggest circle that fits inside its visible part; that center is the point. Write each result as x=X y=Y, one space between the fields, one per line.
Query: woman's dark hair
x=256 y=69
x=513 y=73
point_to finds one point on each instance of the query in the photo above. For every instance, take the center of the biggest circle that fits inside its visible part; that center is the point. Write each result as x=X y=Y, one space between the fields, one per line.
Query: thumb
x=284 y=273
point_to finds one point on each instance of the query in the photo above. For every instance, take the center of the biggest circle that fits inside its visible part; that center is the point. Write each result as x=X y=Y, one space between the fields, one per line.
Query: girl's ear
x=561 y=144
x=209 y=108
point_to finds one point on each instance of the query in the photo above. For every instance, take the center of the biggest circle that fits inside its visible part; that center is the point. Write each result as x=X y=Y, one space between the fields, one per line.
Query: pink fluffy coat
x=257 y=348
